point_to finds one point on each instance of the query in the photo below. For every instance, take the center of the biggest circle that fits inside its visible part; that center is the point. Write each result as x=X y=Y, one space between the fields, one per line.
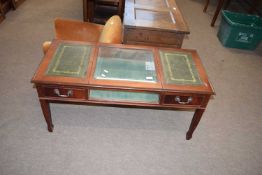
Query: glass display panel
x=154 y=17
x=125 y=64
x=179 y=68
x=124 y=96
x=152 y=3
x=70 y=60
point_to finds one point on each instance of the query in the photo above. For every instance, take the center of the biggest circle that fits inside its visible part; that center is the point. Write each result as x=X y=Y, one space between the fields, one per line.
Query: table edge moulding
x=69 y=72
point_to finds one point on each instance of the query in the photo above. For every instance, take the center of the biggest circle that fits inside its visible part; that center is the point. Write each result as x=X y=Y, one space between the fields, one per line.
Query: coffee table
x=122 y=75
x=154 y=22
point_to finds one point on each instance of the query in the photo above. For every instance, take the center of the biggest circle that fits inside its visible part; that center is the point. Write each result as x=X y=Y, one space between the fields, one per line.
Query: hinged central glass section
x=125 y=64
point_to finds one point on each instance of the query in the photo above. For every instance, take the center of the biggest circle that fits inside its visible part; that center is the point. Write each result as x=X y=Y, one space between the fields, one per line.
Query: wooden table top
x=156 y=14
x=123 y=66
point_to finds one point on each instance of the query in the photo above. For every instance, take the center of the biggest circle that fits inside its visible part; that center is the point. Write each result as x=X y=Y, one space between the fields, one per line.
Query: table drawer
x=151 y=36
x=184 y=99
x=64 y=92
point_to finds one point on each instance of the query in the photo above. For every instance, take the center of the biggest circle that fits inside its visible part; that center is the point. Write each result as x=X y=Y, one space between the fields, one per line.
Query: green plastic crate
x=240 y=31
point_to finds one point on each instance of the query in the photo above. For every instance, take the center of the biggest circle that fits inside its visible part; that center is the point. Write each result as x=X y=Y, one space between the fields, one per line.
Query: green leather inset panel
x=70 y=60
x=125 y=64
x=179 y=68
x=124 y=96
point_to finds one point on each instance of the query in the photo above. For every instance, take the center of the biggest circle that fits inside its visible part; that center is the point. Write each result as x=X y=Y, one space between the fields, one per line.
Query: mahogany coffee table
x=122 y=75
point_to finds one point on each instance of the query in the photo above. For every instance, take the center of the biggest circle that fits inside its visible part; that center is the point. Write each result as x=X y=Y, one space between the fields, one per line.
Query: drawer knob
x=69 y=93
x=189 y=100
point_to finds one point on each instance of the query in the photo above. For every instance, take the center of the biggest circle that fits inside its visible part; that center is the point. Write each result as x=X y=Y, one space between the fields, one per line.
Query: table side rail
x=82 y=95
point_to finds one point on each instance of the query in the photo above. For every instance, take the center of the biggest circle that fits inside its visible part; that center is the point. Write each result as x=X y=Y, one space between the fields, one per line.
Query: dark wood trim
x=2 y=14
x=85 y=11
x=206 y=5
x=218 y=9
x=2 y=17
x=16 y=3
x=6 y=6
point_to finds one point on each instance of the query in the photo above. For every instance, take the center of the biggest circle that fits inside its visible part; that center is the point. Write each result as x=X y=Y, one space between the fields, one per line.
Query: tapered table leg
x=47 y=114
x=219 y=7
x=206 y=5
x=195 y=120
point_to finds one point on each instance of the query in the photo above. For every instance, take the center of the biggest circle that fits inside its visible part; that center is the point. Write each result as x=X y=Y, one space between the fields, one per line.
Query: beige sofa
x=75 y=30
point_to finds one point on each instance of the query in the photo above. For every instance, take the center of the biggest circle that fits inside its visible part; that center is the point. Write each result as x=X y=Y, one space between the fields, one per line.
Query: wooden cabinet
x=99 y=11
x=154 y=22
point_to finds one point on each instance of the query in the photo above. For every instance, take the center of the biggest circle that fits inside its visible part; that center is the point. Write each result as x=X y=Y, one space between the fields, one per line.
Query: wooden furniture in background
x=6 y=5
x=122 y=75
x=2 y=14
x=226 y=3
x=17 y=3
x=154 y=22
x=99 y=11
x=118 y=4
x=2 y=17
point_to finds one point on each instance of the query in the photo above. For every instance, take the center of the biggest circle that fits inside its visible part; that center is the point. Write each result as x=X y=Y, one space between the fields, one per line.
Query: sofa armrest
x=77 y=30
x=112 y=31
x=45 y=46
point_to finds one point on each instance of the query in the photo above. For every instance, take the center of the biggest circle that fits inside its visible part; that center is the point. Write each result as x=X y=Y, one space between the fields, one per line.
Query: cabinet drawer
x=185 y=99
x=64 y=92
x=151 y=36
